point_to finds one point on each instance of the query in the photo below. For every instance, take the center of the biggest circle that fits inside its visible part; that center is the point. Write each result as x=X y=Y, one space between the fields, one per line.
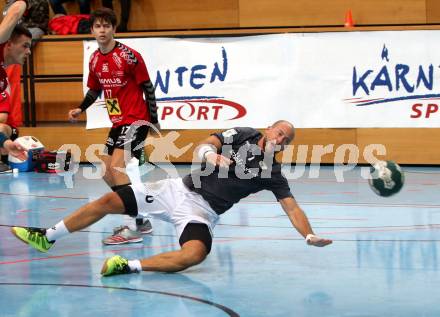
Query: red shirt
x=3 y=76
x=119 y=74
x=5 y=107
x=15 y=116
x=5 y=98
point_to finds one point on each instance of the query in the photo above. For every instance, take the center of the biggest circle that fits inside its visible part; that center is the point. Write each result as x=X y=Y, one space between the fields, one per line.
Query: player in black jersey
x=236 y=163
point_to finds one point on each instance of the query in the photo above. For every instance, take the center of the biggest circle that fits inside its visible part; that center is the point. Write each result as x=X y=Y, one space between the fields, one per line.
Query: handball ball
x=387 y=178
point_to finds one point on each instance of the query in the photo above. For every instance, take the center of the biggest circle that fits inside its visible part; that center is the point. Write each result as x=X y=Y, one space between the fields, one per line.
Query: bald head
x=287 y=127
x=279 y=133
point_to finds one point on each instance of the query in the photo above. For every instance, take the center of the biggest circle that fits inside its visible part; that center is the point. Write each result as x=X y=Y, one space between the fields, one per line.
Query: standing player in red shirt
x=120 y=73
x=15 y=47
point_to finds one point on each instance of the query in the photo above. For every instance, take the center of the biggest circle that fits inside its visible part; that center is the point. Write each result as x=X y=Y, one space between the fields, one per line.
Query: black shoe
x=4 y=168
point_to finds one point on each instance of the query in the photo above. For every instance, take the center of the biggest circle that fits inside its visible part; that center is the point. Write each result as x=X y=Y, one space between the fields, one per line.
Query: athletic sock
x=130 y=222
x=57 y=231
x=135 y=266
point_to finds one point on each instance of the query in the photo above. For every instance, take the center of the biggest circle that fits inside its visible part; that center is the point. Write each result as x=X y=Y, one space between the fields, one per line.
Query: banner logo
x=113 y=106
x=193 y=78
x=395 y=83
x=201 y=108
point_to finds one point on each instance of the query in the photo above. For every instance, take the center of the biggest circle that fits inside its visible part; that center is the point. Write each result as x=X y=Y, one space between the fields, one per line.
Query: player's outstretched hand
x=316 y=241
x=217 y=159
x=15 y=149
x=74 y=114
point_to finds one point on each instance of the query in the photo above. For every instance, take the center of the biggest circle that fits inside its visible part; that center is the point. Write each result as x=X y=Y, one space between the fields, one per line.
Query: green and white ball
x=387 y=178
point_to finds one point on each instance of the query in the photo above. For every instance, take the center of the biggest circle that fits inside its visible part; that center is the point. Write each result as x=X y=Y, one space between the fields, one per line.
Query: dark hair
x=104 y=14
x=18 y=31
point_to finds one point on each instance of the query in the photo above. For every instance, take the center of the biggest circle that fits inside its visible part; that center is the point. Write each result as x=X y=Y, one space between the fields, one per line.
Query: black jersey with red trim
x=119 y=74
x=250 y=172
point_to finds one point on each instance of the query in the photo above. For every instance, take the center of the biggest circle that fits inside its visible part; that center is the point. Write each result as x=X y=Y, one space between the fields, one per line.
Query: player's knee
x=110 y=203
x=196 y=241
x=193 y=253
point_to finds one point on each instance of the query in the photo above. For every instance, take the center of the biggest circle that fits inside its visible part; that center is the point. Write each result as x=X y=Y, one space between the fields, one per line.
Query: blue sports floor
x=384 y=260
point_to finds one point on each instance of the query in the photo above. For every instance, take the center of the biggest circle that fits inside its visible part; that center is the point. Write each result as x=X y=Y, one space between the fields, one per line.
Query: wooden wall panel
x=54 y=100
x=197 y=14
x=308 y=13
x=406 y=146
x=316 y=139
x=432 y=11
x=176 y=14
x=188 y=14
x=54 y=137
x=58 y=58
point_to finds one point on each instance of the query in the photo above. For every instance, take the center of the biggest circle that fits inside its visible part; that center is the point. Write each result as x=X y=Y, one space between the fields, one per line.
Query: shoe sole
x=24 y=241
x=104 y=268
x=123 y=242
x=146 y=231
x=141 y=232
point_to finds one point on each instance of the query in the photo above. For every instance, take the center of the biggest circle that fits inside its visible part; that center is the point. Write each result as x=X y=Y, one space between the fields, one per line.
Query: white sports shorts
x=171 y=201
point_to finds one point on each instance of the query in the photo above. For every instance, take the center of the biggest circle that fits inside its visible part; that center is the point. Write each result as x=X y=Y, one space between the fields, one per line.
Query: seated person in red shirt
x=13 y=51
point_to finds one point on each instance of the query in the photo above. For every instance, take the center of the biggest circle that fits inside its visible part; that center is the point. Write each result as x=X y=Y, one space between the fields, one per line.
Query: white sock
x=57 y=231
x=135 y=266
x=130 y=222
